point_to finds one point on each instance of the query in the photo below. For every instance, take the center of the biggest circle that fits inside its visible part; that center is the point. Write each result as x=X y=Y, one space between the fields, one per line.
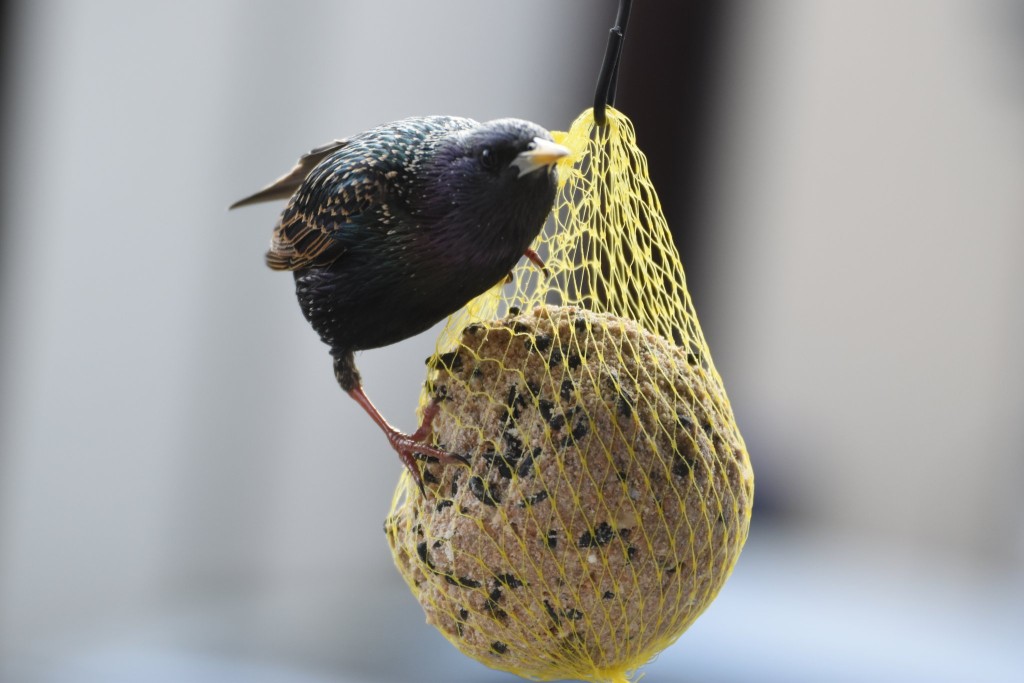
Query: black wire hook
x=609 y=76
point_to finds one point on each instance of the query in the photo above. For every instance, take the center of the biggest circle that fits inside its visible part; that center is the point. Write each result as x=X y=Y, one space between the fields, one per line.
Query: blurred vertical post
x=668 y=85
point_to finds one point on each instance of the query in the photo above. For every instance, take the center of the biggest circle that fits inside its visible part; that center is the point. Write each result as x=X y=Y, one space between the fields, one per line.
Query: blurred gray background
x=185 y=494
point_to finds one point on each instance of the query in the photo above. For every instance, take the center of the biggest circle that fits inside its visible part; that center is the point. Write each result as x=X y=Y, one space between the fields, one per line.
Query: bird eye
x=488 y=159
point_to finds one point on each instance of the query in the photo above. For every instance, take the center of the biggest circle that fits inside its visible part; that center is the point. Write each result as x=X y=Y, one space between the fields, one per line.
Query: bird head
x=512 y=148
x=500 y=157
x=501 y=171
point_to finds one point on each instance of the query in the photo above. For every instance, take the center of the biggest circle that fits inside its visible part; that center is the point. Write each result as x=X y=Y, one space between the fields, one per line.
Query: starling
x=390 y=231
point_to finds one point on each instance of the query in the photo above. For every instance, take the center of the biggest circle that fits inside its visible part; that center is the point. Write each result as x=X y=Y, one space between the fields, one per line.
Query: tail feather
x=285 y=186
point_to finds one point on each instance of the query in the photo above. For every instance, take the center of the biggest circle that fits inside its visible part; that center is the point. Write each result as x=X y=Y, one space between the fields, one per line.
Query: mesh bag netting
x=609 y=491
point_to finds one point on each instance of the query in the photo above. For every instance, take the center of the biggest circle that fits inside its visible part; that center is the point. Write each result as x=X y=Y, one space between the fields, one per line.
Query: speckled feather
x=393 y=229
x=352 y=189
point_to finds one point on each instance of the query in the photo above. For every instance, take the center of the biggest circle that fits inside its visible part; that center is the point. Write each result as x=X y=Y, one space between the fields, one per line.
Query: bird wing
x=337 y=201
x=285 y=186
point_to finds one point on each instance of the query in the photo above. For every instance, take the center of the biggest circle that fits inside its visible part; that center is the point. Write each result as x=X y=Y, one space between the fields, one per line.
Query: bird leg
x=536 y=260
x=408 y=446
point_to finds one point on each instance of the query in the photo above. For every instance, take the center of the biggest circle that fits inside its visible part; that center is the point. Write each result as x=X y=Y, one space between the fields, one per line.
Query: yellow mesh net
x=609 y=491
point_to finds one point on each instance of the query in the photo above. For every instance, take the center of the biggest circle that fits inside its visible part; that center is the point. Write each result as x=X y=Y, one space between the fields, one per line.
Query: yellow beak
x=541 y=154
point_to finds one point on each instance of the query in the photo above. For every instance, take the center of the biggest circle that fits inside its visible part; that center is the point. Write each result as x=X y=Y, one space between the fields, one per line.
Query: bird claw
x=411 y=447
x=410 y=451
